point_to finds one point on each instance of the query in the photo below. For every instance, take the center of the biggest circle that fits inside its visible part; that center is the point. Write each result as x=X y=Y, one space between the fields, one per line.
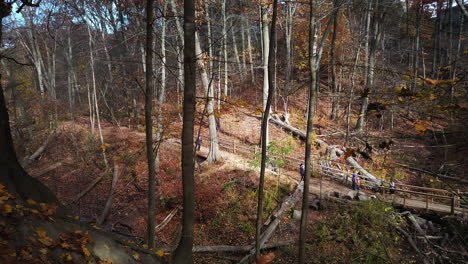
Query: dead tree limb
x=412 y=243
x=27 y=161
x=167 y=219
x=48 y=169
x=288 y=203
x=226 y=248
x=301 y=134
x=433 y=173
x=89 y=188
x=108 y=206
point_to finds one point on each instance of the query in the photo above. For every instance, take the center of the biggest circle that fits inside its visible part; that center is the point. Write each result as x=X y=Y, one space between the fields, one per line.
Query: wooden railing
x=344 y=177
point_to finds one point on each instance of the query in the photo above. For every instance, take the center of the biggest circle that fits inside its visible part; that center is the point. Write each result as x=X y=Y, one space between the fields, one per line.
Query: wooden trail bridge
x=408 y=196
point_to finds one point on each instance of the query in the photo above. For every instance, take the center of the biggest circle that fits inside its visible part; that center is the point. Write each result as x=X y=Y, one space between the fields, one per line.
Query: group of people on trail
x=355 y=180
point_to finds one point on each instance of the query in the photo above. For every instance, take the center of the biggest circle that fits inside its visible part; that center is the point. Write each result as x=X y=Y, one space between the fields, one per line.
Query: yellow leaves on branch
x=421 y=126
x=104 y=146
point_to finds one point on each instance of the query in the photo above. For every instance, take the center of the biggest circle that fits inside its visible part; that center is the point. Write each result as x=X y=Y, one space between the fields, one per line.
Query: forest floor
x=229 y=184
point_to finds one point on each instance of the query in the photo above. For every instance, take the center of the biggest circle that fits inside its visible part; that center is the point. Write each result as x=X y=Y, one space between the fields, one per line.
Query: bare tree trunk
x=350 y=100
x=213 y=154
x=374 y=40
x=236 y=50
x=334 y=108
x=290 y=9
x=210 y=43
x=249 y=47
x=462 y=7
x=161 y=92
x=180 y=66
x=183 y=253
x=94 y=98
x=149 y=123
x=244 y=61
x=266 y=51
x=315 y=55
x=310 y=118
x=266 y=114
x=224 y=46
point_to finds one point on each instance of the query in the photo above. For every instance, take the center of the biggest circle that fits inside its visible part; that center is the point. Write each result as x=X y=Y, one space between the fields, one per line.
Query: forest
x=233 y=131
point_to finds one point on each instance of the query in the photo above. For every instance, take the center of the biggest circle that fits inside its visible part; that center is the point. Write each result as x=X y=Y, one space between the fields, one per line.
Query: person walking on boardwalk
x=353 y=180
x=302 y=171
x=392 y=186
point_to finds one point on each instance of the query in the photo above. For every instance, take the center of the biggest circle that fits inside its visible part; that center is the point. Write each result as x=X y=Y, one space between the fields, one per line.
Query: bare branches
x=27 y=3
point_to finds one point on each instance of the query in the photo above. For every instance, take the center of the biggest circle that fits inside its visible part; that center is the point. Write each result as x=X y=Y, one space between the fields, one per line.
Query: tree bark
x=265 y=62
x=183 y=253
x=12 y=175
x=149 y=123
x=310 y=120
x=266 y=114
x=213 y=154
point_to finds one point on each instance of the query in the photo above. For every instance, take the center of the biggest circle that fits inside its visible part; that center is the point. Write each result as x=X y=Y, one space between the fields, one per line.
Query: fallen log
x=433 y=173
x=108 y=206
x=412 y=243
x=288 y=203
x=89 y=188
x=226 y=248
x=167 y=219
x=27 y=161
x=321 y=143
x=48 y=169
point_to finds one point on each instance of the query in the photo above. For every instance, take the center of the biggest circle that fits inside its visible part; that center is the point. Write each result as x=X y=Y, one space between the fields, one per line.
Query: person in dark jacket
x=302 y=171
x=354 y=179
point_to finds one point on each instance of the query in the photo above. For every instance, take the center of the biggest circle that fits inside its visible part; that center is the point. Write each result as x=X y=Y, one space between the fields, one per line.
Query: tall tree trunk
x=236 y=50
x=265 y=118
x=266 y=51
x=224 y=47
x=315 y=55
x=334 y=108
x=310 y=118
x=249 y=47
x=289 y=60
x=94 y=97
x=12 y=175
x=183 y=253
x=374 y=42
x=213 y=154
x=149 y=123
x=162 y=89
x=210 y=42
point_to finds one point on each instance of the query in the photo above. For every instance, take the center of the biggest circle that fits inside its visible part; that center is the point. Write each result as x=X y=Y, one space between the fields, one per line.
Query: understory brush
x=363 y=233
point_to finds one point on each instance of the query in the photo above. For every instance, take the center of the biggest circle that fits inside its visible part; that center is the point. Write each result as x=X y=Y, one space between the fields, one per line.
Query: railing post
x=427 y=203
x=452 y=205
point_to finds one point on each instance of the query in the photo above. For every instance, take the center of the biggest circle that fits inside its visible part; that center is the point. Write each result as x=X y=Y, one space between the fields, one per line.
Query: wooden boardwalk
x=335 y=181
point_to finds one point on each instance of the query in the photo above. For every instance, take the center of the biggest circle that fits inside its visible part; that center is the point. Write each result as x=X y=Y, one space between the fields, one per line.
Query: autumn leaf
x=67 y=257
x=265 y=259
x=160 y=253
x=349 y=152
x=43 y=251
x=136 y=256
x=31 y=202
x=7 y=209
x=25 y=255
x=85 y=251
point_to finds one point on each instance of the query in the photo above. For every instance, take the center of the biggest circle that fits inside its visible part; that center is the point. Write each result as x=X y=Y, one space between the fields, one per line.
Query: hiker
x=353 y=180
x=392 y=187
x=199 y=142
x=358 y=183
x=302 y=171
